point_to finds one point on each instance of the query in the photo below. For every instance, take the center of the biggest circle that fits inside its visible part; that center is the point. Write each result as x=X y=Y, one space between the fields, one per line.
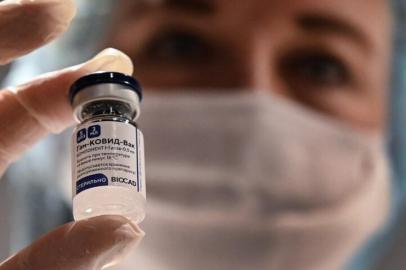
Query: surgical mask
x=252 y=181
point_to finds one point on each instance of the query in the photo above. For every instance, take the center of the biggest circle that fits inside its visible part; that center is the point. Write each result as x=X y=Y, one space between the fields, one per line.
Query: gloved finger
x=31 y=111
x=87 y=244
x=28 y=24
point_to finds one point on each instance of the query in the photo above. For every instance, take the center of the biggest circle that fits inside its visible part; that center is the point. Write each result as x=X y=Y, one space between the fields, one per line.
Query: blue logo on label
x=91 y=181
x=93 y=131
x=81 y=135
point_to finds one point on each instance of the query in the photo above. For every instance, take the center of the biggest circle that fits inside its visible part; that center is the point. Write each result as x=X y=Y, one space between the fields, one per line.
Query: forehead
x=266 y=7
x=369 y=19
x=363 y=13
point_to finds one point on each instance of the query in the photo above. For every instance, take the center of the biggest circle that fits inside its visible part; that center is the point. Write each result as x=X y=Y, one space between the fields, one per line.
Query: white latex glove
x=31 y=111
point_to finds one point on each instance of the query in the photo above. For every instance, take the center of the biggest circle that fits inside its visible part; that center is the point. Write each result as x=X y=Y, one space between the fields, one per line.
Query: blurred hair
x=378 y=247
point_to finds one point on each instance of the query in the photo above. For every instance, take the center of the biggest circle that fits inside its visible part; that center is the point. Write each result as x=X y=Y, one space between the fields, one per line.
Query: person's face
x=331 y=55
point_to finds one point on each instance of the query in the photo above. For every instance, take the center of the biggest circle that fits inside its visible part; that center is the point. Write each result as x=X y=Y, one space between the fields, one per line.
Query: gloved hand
x=31 y=111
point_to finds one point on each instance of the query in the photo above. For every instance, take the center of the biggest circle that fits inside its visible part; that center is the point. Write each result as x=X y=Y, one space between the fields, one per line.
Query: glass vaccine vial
x=108 y=170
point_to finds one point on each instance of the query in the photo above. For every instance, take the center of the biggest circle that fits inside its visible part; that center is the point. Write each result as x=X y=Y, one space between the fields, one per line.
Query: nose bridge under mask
x=203 y=131
x=197 y=144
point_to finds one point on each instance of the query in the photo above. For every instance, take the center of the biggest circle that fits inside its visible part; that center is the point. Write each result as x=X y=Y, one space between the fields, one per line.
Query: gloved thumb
x=89 y=244
x=42 y=105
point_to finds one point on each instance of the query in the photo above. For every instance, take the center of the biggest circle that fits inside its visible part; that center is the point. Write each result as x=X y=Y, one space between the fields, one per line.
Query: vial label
x=108 y=153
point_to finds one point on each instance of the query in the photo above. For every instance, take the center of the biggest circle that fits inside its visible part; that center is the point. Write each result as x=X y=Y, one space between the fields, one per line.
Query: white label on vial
x=108 y=153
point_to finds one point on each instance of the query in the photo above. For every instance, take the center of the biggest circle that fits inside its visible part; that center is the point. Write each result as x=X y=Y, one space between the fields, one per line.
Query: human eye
x=312 y=70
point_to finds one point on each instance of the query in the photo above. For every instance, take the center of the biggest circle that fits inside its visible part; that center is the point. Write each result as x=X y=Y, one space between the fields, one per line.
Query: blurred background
x=30 y=206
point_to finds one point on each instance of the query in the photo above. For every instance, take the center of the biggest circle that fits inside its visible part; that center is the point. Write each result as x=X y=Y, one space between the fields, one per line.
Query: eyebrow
x=333 y=25
x=202 y=7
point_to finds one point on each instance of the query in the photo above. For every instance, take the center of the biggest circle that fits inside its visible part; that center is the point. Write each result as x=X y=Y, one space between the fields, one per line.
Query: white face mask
x=256 y=182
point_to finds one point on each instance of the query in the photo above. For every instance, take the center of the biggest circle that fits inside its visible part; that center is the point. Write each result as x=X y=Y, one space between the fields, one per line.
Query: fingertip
x=68 y=7
x=109 y=59
x=93 y=243
x=28 y=24
x=112 y=237
x=114 y=222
